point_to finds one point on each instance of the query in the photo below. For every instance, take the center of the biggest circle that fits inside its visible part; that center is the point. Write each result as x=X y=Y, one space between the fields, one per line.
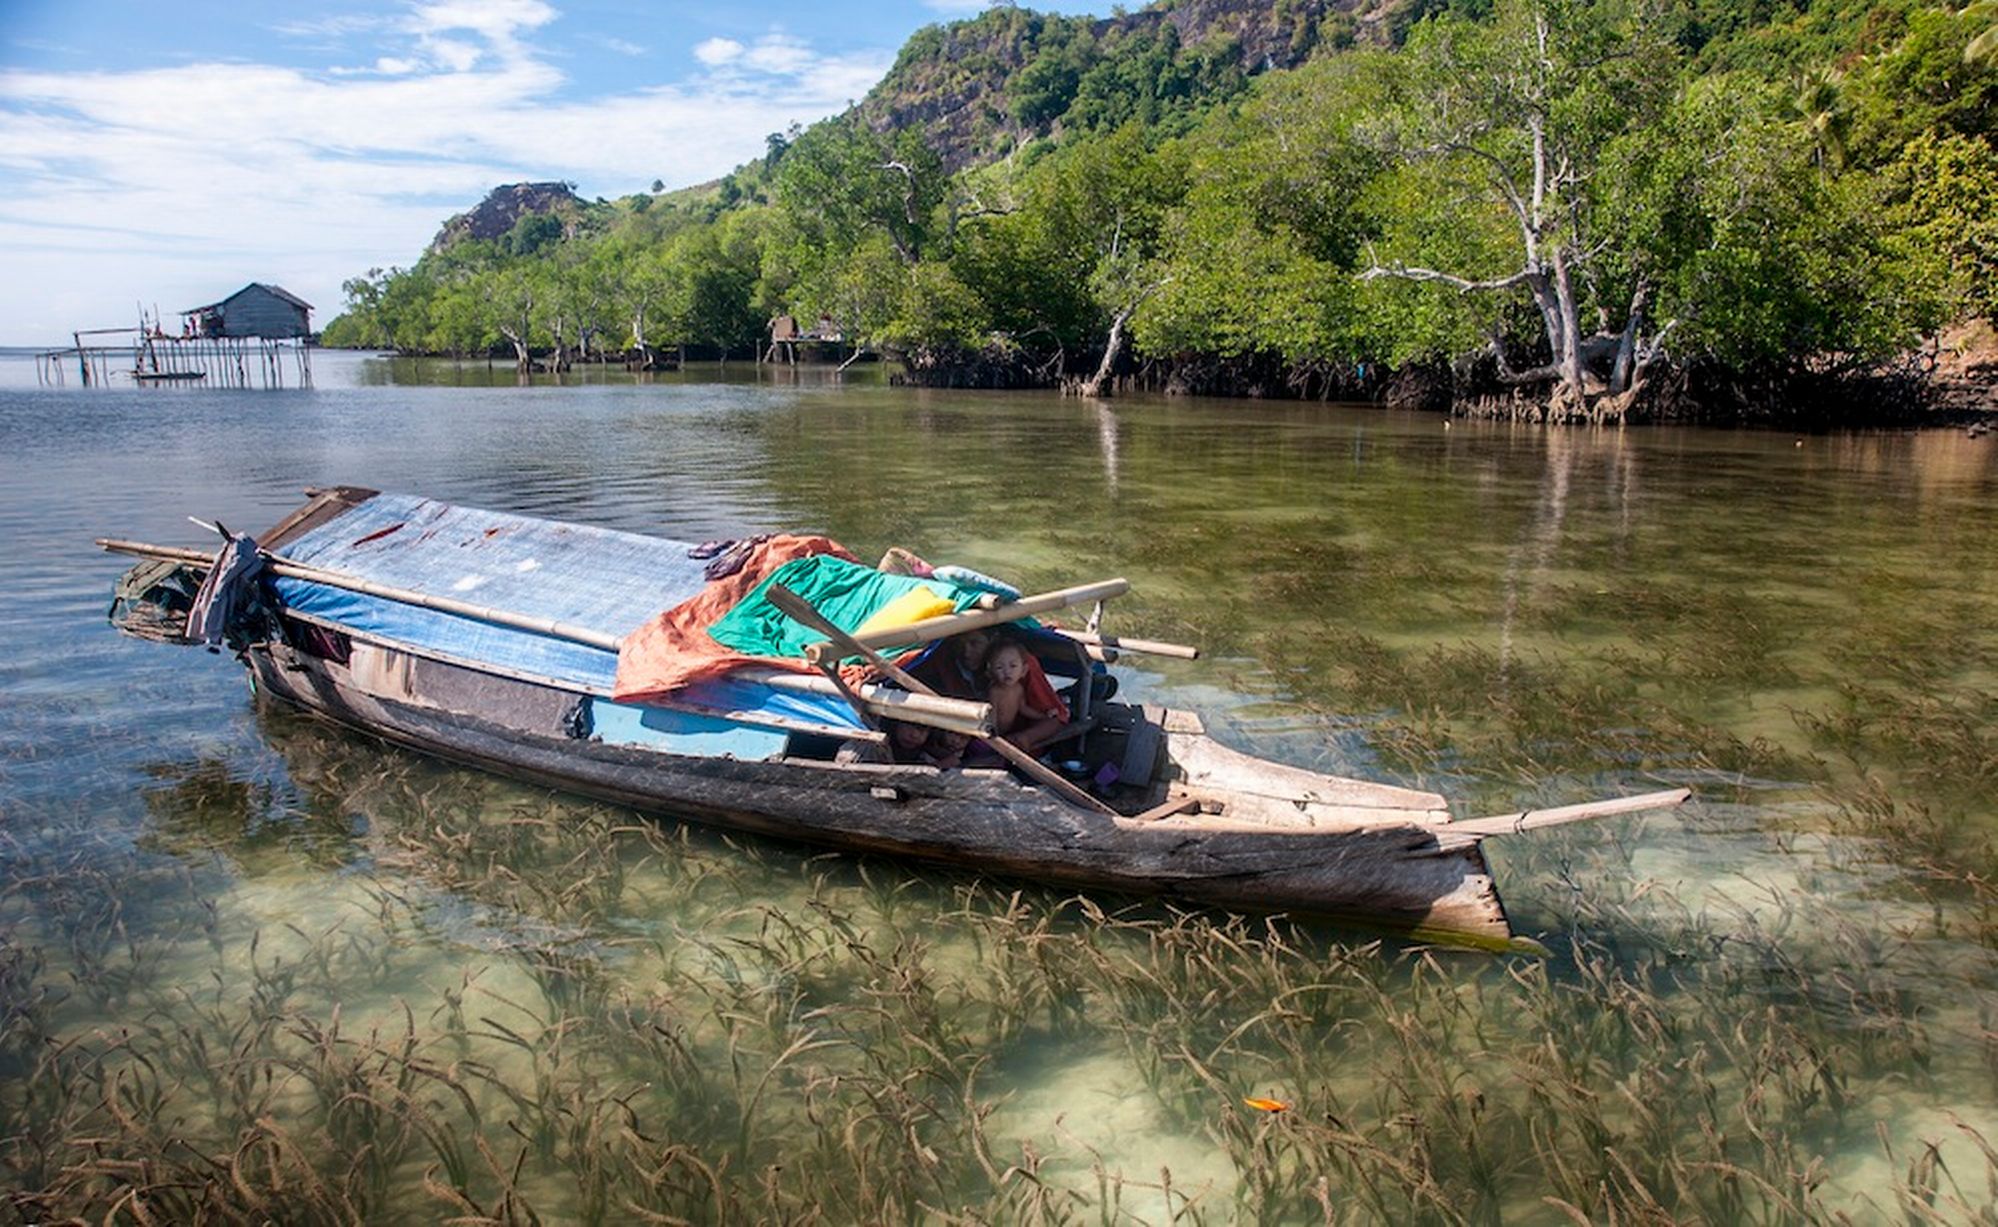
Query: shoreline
x=1936 y=401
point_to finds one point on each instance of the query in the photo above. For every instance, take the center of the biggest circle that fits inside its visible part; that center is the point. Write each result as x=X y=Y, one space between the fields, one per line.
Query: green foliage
x=1146 y=77
x=1923 y=84
x=937 y=318
x=1948 y=200
x=710 y=278
x=1257 y=256
x=531 y=233
x=1042 y=91
x=1765 y=256
x=1785 y=181
x=841 y=184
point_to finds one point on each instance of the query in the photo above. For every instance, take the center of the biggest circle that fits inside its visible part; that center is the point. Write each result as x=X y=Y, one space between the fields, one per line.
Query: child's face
x=1008 y=665
x=943 y=741
x=908 y=736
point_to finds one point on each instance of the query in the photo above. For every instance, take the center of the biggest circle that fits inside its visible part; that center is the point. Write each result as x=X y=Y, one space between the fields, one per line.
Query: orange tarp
x=674 y=650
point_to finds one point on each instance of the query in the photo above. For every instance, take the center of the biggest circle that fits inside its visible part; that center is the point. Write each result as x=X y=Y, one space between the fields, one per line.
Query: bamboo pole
x=973 y=719
x=799 y=608
x=954 y=715
x=1534 y=819
x=1117 y=643
x=354 y=583
x=946 y=625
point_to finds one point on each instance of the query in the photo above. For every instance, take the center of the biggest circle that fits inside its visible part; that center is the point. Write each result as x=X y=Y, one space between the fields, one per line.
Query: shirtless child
x=1013 y=715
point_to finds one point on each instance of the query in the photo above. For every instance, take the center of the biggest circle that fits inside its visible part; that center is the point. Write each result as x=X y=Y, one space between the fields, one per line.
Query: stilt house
x=256 y=310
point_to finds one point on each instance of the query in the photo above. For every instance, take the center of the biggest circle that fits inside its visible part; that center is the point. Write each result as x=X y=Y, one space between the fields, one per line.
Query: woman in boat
x=956 y=669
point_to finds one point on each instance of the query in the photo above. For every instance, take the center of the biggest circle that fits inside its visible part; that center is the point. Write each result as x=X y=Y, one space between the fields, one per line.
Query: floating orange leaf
x=1266 y=1105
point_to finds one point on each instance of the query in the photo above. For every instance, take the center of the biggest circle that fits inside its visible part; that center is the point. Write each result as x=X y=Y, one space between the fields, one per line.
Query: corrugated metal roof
x=276 y=291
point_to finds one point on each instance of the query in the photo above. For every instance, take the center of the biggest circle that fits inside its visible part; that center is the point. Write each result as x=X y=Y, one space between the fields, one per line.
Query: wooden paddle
x=798 y=607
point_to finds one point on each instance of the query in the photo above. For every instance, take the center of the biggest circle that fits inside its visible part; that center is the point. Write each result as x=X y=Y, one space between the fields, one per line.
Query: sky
x=166 y=153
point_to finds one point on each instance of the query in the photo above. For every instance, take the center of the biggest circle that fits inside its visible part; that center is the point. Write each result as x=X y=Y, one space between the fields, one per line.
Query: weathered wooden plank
x=1208 y=765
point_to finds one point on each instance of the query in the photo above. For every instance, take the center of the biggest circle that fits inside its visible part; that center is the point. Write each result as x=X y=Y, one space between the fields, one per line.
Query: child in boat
x=913 y=743
x=905 y=740
x=945 y=749
x=1025 y=709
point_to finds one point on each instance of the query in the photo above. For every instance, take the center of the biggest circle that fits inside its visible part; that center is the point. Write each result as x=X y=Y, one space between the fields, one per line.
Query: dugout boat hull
x=1391 y=873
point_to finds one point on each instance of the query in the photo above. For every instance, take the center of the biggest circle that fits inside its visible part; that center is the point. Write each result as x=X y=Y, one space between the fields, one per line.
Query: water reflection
x=1106 y=442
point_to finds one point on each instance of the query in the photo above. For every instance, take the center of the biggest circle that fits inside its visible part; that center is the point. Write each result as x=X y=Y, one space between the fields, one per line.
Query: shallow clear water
x=254 y=952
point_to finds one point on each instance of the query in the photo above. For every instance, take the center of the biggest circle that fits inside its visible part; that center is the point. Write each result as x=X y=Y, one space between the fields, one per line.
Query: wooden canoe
x=1188 y=817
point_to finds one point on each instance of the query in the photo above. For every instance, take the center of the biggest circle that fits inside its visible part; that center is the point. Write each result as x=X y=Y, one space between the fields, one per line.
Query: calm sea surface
x=244 y=956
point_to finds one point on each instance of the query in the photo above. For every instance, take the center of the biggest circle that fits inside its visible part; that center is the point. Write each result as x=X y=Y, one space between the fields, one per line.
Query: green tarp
x=847 y=593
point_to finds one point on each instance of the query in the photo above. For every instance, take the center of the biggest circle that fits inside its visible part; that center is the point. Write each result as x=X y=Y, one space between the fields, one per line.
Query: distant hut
x=256 y=310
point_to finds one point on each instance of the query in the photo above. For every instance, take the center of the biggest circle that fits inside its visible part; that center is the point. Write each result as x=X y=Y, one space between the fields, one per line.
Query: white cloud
x=309 y=178
x=779 y=53
x=328 y=27
x=617 y=44
x=453 y=55
x=497 y=20
x=717 y=51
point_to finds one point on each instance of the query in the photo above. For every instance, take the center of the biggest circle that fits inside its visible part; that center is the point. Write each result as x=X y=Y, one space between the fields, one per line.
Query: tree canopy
x=1557 y=192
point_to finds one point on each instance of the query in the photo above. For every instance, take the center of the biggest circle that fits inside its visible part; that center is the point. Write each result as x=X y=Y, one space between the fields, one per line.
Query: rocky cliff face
x=976 y=88
x=495 y=216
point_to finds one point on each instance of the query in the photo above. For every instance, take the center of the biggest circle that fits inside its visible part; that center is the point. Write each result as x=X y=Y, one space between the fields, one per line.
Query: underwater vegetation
x=513 y=1007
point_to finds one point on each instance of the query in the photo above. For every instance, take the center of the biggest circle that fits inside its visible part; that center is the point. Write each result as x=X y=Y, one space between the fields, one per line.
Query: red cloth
x=1041 y=696
x=674 y=650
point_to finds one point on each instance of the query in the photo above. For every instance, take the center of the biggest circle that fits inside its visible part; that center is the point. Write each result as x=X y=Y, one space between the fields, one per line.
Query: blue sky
x=165 y=153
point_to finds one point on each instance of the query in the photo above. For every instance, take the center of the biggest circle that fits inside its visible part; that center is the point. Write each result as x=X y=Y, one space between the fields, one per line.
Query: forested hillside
x=1583 y=208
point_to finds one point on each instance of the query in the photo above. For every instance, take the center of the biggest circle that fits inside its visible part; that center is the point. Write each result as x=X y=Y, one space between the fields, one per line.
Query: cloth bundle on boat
x=611 y=582
x=851 y=597
x=733 y=623
x=227 y=592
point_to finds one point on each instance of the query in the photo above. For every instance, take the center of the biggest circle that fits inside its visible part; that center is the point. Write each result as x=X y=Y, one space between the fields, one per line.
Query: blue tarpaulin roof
x=573 y=573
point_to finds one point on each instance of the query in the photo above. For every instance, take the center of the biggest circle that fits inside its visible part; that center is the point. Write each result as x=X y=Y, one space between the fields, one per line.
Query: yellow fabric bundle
x=912 y=606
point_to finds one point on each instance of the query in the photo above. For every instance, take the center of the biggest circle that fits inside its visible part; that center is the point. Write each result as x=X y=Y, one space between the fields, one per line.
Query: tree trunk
x=1574 y=392
x=1113 y=349
x=523 y=362
x=1622 y=370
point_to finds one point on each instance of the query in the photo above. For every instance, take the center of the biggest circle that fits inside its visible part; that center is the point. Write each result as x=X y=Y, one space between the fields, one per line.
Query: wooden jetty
x=258 y=337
